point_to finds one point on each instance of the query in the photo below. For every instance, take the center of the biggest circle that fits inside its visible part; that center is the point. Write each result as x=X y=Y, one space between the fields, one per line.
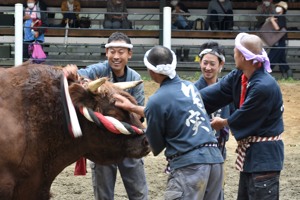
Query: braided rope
x=111 y=124
x=244 y=144
x=74 y=127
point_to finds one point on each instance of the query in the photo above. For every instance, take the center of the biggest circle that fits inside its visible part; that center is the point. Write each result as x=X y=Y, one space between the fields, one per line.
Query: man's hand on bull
x=218 y=123
x=70 y=71
x=125 y=104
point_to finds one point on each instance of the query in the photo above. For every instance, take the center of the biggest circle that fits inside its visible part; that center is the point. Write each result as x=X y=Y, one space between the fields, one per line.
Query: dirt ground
x=68 y=187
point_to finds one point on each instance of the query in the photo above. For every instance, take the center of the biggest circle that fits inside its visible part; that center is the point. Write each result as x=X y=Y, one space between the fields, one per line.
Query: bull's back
x=28 y=96
x=26 y=86
x=11 y=81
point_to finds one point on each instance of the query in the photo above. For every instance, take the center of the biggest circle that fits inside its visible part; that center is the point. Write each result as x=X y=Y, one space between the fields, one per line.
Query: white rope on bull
x=110 y=123
x=73 y=116
x=116 y=123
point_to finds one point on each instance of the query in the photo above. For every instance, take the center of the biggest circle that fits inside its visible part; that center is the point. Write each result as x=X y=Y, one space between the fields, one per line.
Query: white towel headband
x=211 y=51
x=165 y=69
x=117 y=44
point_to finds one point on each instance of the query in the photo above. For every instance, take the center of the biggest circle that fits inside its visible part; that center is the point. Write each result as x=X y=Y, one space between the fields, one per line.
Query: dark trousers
x=277 y=56
x=257 y=186
x=73 y=22
x=225 y=24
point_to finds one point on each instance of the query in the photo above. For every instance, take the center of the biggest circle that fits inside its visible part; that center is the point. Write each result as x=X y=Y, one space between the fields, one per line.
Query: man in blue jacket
x=118 y=52
x=256 y=123
x=178 y=123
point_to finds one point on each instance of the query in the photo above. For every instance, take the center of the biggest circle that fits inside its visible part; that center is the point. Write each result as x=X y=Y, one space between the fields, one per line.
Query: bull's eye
x=112 y=113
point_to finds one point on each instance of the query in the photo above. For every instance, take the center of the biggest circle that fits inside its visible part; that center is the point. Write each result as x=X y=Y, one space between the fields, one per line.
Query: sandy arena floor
x=68 y=187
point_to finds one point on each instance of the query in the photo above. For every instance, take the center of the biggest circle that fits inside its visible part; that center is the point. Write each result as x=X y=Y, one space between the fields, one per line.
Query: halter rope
x=111 y=124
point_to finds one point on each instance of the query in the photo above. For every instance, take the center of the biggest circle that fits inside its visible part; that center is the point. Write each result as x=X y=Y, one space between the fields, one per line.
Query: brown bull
x=35 y=145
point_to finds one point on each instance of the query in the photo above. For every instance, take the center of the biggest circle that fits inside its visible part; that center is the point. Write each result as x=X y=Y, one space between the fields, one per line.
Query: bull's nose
x=145 y=142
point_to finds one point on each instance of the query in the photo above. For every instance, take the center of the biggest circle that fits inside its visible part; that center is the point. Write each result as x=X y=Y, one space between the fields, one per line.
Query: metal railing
x=149 y=21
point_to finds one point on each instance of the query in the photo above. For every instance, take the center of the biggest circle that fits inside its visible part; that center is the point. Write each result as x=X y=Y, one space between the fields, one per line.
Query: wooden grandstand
x=85 y=46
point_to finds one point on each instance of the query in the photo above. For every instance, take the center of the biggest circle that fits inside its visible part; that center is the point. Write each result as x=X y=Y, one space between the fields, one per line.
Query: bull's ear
x=127 y=85
x=79 y=95
x=94 y=85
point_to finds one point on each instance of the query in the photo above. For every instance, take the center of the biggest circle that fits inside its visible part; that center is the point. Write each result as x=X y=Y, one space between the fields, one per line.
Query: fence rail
x=246 y=5
x=82 y=44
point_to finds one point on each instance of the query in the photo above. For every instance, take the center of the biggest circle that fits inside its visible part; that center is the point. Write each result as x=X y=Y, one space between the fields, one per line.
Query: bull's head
x=103 y=145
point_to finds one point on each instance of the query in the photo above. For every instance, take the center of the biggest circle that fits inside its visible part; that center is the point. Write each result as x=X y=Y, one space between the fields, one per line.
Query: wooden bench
x=95 y=53
x=152 y=4
x=82 y=32
x=85 y=54
x=149 y=19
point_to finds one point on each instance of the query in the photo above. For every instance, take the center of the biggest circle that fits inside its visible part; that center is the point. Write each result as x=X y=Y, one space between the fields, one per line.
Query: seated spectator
x=116 y=18
x=70 y=9
x=33 y=20
x=220 y=15
x=265 y=8
x=180 y=16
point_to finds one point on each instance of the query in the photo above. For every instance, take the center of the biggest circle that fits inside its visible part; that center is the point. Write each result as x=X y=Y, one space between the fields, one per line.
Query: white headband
x=165 y=69
x=211 y=51
x=263 y=57
x=118 y=44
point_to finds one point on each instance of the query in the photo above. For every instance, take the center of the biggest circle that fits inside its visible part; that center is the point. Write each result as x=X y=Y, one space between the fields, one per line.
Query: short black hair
x=119 y=36
x=214 y=46
x=160 y=55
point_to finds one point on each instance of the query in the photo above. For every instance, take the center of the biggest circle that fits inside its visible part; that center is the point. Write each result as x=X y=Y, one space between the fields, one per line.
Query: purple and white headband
x=262 y=58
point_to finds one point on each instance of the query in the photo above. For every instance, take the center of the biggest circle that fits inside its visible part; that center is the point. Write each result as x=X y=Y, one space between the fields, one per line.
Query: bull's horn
x=94 y=85
x=127 y=85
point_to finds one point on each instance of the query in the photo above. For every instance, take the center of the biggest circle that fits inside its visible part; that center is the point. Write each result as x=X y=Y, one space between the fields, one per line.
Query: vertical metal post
x=18 y=34
x=162 y=4
x=167 y=27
